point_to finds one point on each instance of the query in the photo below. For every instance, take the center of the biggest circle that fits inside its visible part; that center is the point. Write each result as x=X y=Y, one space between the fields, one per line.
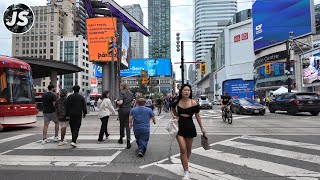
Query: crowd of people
x=133 y=113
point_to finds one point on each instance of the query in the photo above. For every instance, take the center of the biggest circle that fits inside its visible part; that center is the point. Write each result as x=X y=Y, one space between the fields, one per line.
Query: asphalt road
x=273 y=146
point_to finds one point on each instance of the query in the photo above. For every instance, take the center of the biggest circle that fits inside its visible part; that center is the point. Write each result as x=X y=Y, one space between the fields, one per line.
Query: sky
x=181 y=21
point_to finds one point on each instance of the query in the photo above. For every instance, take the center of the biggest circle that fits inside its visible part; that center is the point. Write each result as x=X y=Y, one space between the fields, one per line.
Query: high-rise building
x=159 y=26
x=136 y=41
x=211 y=16
x=81 y=16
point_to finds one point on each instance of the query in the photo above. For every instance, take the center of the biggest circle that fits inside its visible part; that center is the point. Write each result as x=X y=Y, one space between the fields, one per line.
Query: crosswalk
x=89 y=153
x=216 y=114
x=261 y=156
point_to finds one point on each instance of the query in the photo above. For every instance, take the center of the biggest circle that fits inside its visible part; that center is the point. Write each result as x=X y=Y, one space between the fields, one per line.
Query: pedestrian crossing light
x=267 y=69
x=203 y=68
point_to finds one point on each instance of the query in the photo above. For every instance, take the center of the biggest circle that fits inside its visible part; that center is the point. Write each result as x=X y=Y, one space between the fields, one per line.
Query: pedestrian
x=49 y=114
x=92 y=102
x=60 y=106
x=159 y=105
x=186 y=108
x=125 y=105
x=105 y=110
x=139 y=119
x=149 y=102
x=76 y=109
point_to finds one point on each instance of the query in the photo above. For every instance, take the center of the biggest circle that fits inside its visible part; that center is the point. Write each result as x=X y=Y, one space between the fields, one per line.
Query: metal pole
x=290 y=48
x=182 y=64
x=113 y=84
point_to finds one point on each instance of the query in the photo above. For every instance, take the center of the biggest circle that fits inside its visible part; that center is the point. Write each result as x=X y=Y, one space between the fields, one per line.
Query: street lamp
x=182 y=54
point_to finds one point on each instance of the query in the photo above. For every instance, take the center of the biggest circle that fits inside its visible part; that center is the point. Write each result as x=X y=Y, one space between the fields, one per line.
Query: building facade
x=80 y=21
x=74 y=50
x=136 y=38
x=211 y=16
x=159 y=26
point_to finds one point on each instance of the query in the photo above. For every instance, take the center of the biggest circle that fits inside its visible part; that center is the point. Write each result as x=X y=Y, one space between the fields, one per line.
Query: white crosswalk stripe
x=253 y=161
x=216 y=114
x=85 y=143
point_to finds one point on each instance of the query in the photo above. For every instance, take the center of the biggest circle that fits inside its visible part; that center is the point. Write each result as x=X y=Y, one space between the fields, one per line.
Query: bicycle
x=227 y=114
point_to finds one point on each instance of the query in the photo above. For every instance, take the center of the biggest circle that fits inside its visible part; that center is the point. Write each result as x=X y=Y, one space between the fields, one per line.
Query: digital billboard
x=100 y=31
x=273 y=20
x=238 y=88
x=153 y=66
x=310 y=63
x=125 y=46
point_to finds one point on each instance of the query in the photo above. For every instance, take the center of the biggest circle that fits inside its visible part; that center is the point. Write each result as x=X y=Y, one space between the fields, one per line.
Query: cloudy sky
x=181 y=21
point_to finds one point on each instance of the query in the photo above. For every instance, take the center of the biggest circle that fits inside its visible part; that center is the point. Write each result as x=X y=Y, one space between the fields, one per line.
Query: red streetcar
x=17 y=103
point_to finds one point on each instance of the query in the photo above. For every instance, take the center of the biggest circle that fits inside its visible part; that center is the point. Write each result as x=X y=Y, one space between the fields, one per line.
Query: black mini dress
x=187 y=128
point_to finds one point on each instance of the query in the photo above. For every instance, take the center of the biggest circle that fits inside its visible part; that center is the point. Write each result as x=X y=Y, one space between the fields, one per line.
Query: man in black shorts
x=225 y=100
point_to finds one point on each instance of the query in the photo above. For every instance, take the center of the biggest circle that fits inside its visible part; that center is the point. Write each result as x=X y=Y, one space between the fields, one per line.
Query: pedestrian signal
x=203 y=68
x=267 y=69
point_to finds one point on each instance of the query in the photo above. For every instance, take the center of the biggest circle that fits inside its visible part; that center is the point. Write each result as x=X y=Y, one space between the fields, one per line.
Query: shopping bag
x=173 y=127
x=205 y=142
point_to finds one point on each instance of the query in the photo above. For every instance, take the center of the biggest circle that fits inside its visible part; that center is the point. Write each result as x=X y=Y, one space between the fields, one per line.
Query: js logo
x=18 y=18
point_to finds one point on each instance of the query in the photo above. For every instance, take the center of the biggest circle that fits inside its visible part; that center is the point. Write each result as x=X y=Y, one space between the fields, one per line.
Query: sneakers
x=61 y=143
x=101 y=142
x=56 y=139
x=44 y=141
x=186 y=178
x=74 y=144
x=140 y=154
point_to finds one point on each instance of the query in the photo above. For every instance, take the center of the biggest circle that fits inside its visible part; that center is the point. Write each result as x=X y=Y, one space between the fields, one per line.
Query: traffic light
x=267 y=69
x=203 y=69
x=110 y=47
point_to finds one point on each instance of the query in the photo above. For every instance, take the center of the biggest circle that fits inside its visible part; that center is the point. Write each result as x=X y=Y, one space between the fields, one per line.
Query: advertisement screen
x=99 y=31
x=125 y=46
x=273 y=20
x=153 y=66
x=239 y=88
x=311 y=68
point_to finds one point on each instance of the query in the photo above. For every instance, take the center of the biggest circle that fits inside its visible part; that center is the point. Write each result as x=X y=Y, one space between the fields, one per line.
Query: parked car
x=204 y=103
x=243 y=106
x=296 y=102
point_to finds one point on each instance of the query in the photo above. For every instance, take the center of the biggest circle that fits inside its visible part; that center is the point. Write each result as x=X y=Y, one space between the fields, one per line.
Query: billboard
x=153 y=66
x=238 y=88
x=272 y=21
x=125 y=46
x=310 y=63
x=99 y=31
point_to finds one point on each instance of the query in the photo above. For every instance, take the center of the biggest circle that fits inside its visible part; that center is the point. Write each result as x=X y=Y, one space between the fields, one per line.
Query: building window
x=51 y=50
x=51 y=44
x=43 y=83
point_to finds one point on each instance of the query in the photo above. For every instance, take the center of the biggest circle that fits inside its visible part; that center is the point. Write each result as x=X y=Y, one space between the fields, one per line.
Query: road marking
x=196 y=171
x=283 y=142
x=56 y=160
x=257 y=164
x=81 y=146
x=273 y=151
x=14 y=138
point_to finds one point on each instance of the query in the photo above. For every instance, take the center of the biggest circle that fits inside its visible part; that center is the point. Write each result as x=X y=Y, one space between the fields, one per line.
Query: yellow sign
x=267 y=69
x=100 y=31
x=203 y=68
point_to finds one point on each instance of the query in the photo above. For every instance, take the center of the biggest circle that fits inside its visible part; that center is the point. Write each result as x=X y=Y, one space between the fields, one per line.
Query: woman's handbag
x=173 y=127
x=204 y=142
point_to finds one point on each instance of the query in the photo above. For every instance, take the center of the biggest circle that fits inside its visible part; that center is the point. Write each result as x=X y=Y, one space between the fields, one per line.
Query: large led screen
x=153 y=66
x=238 y=88
x=310 y=63
x=273 y=20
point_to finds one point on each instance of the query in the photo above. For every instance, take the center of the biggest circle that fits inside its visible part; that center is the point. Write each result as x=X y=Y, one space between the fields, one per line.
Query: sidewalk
x=90 y=113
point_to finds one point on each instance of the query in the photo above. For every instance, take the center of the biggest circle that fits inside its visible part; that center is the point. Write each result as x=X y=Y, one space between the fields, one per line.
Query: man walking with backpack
x=75 y=109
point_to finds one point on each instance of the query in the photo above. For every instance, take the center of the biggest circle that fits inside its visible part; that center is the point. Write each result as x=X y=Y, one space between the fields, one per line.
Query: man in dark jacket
x=76 y=109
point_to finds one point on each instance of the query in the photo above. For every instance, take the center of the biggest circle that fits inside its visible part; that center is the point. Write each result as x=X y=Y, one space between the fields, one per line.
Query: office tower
x=81 y=16
x=211 y=16
x=136 y=38
x=159 y=26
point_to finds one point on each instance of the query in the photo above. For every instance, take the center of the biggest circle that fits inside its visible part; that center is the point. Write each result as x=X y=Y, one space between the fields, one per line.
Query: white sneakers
x=186 y=178
x=61 y=143
x=74 y=144
x=56 y=139
x=44 y=141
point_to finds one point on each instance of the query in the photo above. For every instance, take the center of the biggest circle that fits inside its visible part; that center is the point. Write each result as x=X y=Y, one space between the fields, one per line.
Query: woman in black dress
x=186 y=107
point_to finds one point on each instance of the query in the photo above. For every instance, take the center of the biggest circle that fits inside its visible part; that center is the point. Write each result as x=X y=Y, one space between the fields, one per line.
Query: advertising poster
x=125 y=46
x=153 y=66
x=97 y=71
x=99 y=31
x=238 y=88
x=311 y=69
x=272 y=22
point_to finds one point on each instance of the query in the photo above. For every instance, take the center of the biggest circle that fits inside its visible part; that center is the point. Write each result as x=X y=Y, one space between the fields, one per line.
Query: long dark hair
x=180 y=94
x=104 y=94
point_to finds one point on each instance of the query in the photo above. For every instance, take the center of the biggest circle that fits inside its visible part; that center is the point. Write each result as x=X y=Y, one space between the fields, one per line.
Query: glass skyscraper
x=159 y=26
x=211 y=16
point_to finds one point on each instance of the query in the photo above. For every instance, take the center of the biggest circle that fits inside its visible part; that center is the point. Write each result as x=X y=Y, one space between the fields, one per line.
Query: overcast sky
x=181 y=21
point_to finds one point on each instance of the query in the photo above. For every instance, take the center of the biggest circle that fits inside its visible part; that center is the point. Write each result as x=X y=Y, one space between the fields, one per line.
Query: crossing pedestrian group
x=133 y=113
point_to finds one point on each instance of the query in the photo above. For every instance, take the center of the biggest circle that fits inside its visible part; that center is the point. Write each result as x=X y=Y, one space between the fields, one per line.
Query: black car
x=296 y=102
x=243 y=106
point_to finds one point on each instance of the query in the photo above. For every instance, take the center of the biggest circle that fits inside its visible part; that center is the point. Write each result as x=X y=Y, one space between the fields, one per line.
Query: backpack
x=60 y=107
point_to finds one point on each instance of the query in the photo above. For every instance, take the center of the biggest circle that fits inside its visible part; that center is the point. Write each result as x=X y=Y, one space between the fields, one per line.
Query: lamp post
x=290 y=55
x=182 y=54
